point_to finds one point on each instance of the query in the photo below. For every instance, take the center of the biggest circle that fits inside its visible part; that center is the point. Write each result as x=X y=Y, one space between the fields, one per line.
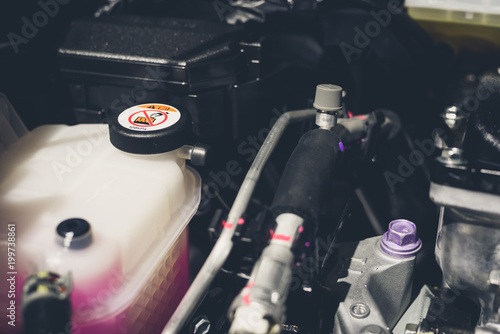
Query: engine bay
x=250 y=166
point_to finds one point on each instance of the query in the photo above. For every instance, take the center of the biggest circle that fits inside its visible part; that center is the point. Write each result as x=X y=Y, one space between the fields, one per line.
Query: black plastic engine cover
x=193 y=54
x=112 y=63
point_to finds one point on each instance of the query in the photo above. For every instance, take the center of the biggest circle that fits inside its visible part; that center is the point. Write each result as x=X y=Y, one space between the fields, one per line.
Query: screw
x=402 y=233
x=359 y=310
x=201 y=325
x=401 y=239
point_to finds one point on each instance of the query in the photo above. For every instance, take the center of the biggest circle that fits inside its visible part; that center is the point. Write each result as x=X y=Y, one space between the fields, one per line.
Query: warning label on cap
x=149 y=117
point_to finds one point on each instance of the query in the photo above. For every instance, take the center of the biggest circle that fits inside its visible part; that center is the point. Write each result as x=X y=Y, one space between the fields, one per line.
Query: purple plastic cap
x=401 y=239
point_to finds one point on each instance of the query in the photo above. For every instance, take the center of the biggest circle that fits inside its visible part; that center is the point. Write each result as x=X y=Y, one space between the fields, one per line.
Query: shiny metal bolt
x=201 y=325
x=452 y=156
x=359 y=310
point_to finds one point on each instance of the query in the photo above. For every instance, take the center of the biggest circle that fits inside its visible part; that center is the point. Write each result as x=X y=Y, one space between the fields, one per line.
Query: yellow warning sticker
x=158 y=107
x=149 y=117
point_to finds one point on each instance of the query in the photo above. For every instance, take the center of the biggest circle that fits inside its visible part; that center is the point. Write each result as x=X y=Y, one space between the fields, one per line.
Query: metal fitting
x=453 y=117
x=452 y=156
x=201 y=325
x=328 y=102
x=401 y=239
x=197 y=154
x=325 y=121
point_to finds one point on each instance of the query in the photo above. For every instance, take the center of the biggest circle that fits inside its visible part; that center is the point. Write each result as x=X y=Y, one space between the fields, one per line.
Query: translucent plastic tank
x=133 y=271
x=463 y=24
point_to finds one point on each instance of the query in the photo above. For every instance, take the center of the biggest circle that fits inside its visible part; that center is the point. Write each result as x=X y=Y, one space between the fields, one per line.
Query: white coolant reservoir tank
x=111 y=214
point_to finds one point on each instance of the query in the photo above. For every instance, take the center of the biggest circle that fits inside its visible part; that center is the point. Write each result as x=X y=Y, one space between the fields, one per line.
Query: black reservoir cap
x=150 y=129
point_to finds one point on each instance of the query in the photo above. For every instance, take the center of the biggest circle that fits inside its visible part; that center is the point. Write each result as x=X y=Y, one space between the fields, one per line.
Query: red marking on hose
x=227 y=225
x=246 y=296
x=246 y=299
x=282 y=237
x=271 y=232
x=301 y=229
x=349 y=113
x=361 y=116
x=241 y=221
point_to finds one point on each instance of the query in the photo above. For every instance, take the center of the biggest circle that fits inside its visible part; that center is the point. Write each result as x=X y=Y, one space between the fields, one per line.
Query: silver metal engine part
x=468 y=246
x=373 y=288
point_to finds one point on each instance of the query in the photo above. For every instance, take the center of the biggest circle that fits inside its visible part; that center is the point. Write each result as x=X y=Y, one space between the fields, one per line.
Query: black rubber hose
x=307 y=174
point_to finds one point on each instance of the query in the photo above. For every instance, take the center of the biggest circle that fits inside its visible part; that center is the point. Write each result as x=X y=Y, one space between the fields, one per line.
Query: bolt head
x=452 y=156
x=201 y=325
x=402 y=233
x=401 y=239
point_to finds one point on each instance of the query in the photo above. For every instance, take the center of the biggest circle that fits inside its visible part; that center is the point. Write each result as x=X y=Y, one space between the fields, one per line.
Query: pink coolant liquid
x=148 y=311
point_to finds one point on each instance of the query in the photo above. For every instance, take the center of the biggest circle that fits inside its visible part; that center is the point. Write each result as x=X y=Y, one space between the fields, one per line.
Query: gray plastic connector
x=328 y=97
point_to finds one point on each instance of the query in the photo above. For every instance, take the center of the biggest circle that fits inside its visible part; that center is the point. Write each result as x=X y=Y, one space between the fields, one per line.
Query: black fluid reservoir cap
x=150 y=129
